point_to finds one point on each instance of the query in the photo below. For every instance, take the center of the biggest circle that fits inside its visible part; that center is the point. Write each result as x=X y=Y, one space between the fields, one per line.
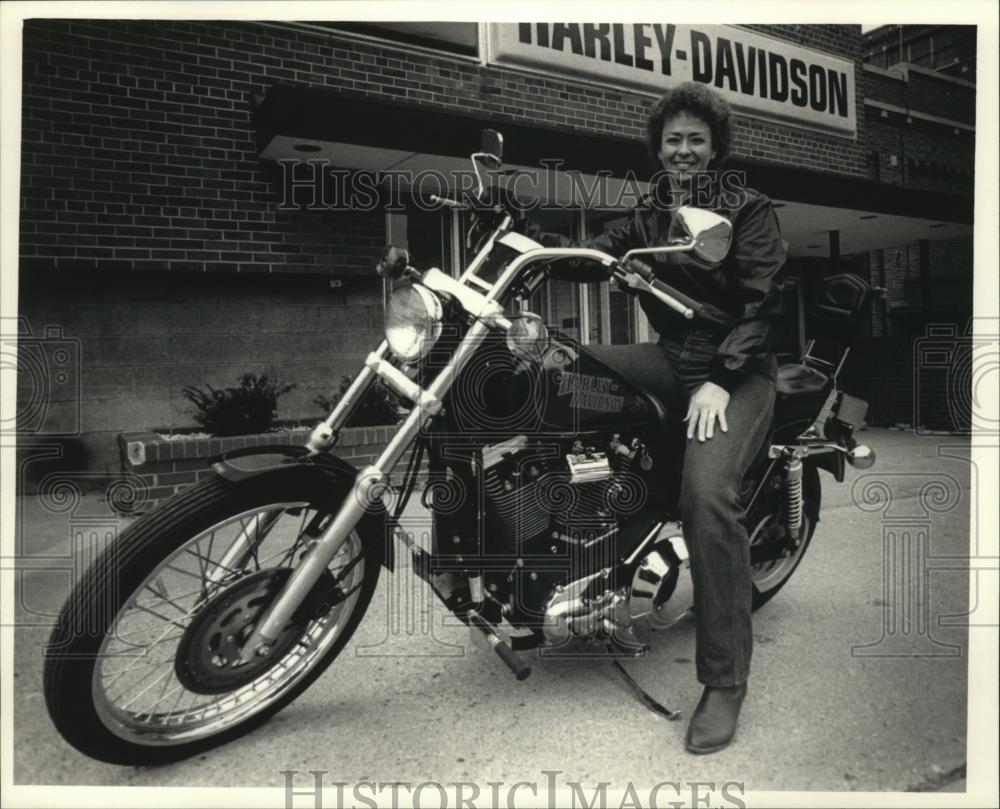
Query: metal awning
x=387 y=134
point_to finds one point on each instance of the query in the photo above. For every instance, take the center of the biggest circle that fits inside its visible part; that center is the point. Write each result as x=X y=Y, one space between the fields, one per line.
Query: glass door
x=613 y=314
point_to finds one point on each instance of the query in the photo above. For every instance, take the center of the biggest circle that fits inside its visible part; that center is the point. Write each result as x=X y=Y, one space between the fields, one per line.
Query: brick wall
x=934 y=95
x=839 y=40
x=928 y=154
x=138 y=144
x=138 y=152
x=949 y=49
x=901 y=386
x=951 y=258
x=897 y=270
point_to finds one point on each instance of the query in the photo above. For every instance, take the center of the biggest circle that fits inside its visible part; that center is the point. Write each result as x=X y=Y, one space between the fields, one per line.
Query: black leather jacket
x=747 y=285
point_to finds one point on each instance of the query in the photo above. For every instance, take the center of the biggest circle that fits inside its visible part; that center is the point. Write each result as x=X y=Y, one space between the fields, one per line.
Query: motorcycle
x=549 y=478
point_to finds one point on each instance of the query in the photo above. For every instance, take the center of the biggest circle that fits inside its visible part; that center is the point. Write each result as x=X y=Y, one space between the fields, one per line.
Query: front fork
x=370 y=484
x=245 y=546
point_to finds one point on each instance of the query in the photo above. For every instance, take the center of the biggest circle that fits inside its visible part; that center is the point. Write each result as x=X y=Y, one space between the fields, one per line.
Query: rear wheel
x=765 y=524
x=141 y=667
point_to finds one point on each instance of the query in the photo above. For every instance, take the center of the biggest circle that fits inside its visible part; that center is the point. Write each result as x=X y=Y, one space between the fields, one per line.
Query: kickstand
x=650 y=703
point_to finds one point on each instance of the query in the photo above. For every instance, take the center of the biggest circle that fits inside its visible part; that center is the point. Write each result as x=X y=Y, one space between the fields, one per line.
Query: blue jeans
x=712 y=504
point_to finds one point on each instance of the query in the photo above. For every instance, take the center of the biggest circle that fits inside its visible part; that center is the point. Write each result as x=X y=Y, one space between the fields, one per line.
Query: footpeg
x=502 y=647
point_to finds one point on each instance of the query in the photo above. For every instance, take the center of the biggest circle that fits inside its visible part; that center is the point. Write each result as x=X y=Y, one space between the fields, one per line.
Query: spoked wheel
x=765 y=524
x=143 y=665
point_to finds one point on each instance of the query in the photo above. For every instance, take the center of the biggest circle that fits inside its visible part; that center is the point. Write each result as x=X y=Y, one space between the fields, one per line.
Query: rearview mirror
x=491 y=148
x=708 y=233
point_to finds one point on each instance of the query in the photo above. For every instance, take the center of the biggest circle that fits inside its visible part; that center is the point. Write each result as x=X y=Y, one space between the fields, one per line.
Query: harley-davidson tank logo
x=590 y=392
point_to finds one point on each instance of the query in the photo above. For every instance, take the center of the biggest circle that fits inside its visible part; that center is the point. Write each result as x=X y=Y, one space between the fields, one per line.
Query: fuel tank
x=564 y=391
x=582 y=394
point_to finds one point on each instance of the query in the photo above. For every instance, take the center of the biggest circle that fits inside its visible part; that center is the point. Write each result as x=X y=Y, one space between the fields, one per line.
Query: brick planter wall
x=167 y=466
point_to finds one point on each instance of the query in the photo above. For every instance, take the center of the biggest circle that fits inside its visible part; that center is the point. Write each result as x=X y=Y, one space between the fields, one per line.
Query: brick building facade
x=152 y=230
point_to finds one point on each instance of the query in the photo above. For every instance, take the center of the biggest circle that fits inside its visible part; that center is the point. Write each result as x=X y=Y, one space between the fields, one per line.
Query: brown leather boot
x=713 y=722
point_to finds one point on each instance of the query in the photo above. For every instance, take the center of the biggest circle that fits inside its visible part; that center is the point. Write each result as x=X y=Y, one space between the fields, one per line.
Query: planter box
x=164 y=466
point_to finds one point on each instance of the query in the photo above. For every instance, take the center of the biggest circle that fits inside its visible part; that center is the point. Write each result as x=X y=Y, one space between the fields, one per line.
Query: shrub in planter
x=165 y=464
x=250 y=408
x=378 y=407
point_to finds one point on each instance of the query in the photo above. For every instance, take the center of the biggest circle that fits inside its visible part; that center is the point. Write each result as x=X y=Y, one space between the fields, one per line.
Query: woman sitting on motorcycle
x=722 y=377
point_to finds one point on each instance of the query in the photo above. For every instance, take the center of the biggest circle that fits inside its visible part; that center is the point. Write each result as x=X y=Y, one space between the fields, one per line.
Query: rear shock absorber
x=793 y=498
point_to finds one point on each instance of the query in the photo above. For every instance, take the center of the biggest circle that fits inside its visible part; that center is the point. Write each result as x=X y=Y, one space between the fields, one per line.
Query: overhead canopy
x=386 y=134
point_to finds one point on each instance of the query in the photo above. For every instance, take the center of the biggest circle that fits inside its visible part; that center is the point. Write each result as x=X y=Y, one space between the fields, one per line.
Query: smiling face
x=686 y=146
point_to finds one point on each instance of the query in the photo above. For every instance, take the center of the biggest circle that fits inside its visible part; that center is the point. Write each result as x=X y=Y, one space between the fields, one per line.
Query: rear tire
x=152 y=597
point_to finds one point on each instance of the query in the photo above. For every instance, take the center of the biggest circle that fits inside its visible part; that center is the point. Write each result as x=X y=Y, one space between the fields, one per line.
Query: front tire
x=138 y=668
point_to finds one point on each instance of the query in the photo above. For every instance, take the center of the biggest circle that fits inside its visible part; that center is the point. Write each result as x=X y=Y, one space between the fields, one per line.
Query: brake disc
x=207 y=660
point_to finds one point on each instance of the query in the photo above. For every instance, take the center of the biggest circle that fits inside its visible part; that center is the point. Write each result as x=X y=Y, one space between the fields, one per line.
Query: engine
x=556 y=509
x=559 y=511
x=542 y=495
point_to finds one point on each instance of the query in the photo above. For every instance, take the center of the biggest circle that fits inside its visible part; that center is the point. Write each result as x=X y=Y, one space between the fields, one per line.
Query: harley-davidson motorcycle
x=550 y=477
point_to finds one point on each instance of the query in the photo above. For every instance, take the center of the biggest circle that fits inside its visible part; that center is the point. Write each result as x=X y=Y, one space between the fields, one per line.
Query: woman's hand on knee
x=707 y=404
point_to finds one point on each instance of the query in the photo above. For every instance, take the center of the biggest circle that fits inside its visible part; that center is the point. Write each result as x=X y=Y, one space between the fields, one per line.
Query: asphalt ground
x=859 y=676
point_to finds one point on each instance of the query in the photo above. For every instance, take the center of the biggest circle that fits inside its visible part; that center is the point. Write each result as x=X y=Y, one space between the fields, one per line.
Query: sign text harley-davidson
x=590 y=392
x=756 y=74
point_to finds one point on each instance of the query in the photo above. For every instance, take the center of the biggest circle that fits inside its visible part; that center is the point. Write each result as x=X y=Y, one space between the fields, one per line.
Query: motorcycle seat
x=797 y=379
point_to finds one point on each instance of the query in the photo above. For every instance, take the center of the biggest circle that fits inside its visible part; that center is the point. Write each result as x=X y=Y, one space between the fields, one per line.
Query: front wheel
x=140 y=668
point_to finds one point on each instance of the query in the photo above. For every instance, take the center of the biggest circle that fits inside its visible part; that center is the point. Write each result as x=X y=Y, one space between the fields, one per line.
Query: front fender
x=242 y=464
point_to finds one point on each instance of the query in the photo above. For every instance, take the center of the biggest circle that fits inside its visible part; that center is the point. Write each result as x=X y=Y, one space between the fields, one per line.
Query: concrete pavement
x=857 y=684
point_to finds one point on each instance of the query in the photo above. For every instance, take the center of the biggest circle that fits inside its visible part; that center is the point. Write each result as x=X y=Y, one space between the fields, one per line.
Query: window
x=422 y=230
x=589 y=313
x=558 y=302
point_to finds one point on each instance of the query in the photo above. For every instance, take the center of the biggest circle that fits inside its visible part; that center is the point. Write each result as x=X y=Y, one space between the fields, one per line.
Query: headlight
x=413 y=322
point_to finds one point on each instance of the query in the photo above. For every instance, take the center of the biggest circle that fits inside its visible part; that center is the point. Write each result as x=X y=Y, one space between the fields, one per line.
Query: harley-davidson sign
x=755 y=73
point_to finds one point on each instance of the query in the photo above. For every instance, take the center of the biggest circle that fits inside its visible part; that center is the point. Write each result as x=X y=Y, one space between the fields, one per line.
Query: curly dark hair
x=699 y=101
